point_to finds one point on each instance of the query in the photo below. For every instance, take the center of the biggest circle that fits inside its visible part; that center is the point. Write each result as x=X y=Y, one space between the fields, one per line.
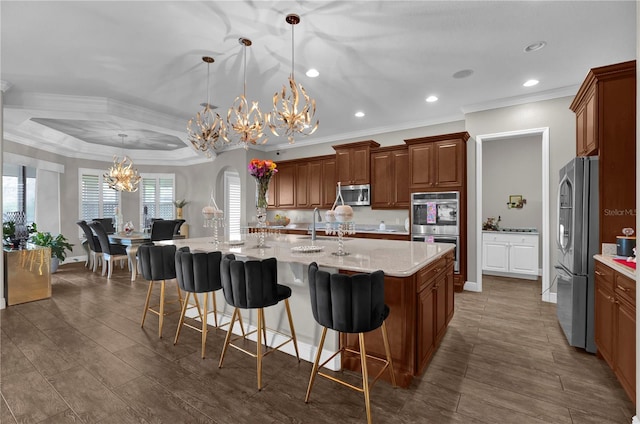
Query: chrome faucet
x=313 y=228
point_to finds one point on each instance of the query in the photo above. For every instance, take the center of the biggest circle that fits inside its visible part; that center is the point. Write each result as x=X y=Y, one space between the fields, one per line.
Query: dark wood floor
x=82 y=357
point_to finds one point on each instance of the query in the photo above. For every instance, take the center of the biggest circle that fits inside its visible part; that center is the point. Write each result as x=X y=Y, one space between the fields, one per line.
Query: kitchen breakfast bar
x=418 y=291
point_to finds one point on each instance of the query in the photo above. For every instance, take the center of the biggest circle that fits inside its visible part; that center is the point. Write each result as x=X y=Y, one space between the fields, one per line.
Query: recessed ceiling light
x=432 y=99
x=463 y=73
x=530 y=83
x=312 y=73
x=535 y=46
x=359 y=114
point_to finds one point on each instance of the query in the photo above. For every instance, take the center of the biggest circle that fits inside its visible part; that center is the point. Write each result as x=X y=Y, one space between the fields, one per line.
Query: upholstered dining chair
x=110 y=252
x=95 y=250
x=158 y=263
x=107 y=223
x=253 y=285
x=163 y=229
x=349 y=304
x=198 y=273
x=179 y=222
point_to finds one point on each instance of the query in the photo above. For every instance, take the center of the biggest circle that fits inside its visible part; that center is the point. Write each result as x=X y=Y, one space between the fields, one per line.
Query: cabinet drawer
x=625 y=287
x=427 y=274
x=604 y=275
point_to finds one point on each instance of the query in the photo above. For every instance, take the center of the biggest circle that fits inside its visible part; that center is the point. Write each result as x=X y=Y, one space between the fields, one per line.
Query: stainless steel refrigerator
x=577 y=236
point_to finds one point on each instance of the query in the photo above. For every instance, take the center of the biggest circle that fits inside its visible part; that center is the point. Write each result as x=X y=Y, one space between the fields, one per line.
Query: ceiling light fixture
x=312 y=73
x=247 y=123
x=535 y=46
x=288 y=118
x=207 y=131
x=359 y=114
x=122 y=176
x=530 y=83
x=431 y=99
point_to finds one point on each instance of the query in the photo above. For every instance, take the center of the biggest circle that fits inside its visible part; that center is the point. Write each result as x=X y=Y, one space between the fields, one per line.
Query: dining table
x=132 y=241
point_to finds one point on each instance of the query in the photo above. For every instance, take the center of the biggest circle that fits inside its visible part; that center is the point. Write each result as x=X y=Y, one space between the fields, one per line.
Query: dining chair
x=349 y=304
x=95 y=250
x=107 y=223
x=253 y=285
x=179 y=222
x=163 y=229
x=110 y=252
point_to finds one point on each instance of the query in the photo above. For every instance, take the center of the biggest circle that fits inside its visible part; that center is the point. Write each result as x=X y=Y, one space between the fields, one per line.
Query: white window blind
x=232 y=204
x=97 y=200
x=157 y=193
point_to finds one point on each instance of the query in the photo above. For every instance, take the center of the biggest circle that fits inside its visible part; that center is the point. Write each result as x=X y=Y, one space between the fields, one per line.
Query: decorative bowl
x=284 y=221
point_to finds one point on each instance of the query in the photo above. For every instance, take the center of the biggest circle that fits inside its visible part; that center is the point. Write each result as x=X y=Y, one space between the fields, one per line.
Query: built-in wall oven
x=435 y=218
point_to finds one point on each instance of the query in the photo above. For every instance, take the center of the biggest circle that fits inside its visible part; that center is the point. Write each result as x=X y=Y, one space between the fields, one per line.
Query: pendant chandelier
x=122 y=176
x=206 y=131
x=245 y=125
x=293 y=111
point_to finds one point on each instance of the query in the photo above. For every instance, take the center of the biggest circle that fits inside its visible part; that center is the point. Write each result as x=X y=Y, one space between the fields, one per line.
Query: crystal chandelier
x=289 y=118
x=122 y=176
x=245 y=124
x=206 y=131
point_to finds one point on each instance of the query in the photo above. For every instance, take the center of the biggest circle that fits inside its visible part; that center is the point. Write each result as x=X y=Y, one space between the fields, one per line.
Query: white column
x=4 y=86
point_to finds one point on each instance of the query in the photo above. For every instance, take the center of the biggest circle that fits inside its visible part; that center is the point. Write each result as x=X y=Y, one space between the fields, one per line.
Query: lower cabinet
x=510 y=253
x=615 y=324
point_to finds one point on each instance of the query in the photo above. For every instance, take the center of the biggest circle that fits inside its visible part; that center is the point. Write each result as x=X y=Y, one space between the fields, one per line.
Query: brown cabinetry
x=390 y=178
x=286 y=185
x=437 y=163
x=605 y=108
x=328 y=182
x=352 y=162
x=615 y=324
x=302 y=183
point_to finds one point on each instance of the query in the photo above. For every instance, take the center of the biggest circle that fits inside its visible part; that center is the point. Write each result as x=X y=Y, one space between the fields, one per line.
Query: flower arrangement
x=180 y=203
x=262 y=171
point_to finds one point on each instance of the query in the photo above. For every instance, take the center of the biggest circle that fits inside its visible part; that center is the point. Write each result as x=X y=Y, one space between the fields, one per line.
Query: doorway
x=543 y=135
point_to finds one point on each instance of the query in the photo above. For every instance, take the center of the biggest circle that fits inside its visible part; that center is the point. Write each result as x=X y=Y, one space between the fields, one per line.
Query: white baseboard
x=551 y=298
x=635 y=420
x=74 y=259
x=307 y=351
x=3 y=303
x=471 y=286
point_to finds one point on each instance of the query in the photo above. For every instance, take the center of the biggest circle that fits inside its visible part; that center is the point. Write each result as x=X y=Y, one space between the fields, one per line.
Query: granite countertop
x=360 y=228
x=622 y=269
x=395 y=258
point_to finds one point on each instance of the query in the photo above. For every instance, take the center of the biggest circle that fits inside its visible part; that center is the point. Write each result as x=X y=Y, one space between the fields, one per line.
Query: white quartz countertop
x=622 y=269
x=396 y=258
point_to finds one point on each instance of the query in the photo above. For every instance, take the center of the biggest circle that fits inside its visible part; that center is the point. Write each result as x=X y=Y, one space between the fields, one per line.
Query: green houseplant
x=58 y=245
x=179 y=204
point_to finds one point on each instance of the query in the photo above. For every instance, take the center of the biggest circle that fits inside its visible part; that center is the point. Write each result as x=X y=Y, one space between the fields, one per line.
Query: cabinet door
x=286 y=190
x=328 y=182
x=314 y=186
x=448 y=163
x=440 y=305
x=421 y=164
x=495 y=255
x=426 y=327
x=604 y=319
x=401 y=195
x=625 y=348
x=591 y=125
x=343 y=167
x=360 y=165
x=449 y=292
x=302 y=181
x=381 y=183
x=523 y=256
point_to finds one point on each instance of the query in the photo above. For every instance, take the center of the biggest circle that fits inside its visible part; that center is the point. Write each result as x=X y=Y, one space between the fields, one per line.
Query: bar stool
x=349 y=304
x=198 y=273
x=253 y=285
x=158 y=263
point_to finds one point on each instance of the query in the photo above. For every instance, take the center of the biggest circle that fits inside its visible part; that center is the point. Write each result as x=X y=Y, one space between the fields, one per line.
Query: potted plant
x=58 y=245
x=10 y=238
x=179 y=204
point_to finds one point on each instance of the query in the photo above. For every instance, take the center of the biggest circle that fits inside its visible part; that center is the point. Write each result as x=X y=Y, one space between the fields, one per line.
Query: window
x=232 y=199
x=19 y=191
x=157 y=193
x=97 y=200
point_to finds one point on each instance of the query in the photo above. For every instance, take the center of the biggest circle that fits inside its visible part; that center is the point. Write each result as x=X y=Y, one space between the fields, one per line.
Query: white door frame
x=546 y=239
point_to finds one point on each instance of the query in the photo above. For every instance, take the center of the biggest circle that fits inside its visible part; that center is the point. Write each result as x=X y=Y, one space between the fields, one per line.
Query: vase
x=179 y=213
x=262 y=188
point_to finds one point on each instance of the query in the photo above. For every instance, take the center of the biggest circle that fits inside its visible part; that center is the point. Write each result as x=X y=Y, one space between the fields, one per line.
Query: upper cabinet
x=352 y=162
x=389 y=176
x=303 y=183
x=328 y=182
x=438 y=162
x=605 y=109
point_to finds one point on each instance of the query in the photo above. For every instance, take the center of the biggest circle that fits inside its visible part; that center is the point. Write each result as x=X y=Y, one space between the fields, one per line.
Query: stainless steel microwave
x=356 y=195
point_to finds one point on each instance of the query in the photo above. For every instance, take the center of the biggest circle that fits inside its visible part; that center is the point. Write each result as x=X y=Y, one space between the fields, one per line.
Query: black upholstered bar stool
x=253 y=285
x=349 y=304
x=158 y=263
x=198 y=272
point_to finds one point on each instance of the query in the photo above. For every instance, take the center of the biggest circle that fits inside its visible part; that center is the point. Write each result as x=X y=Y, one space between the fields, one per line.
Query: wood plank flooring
x=81 y=357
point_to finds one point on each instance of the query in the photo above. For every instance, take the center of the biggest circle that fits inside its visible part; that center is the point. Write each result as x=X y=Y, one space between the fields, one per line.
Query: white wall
x=512 y=167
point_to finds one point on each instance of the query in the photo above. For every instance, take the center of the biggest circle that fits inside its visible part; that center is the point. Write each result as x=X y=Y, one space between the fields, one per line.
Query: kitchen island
x=418 y=290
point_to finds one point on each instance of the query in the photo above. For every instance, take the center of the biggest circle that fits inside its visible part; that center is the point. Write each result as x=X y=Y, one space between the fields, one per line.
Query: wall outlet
x=609 y=249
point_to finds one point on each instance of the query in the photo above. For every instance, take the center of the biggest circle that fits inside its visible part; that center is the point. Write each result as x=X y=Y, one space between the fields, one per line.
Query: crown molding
x=570 y=90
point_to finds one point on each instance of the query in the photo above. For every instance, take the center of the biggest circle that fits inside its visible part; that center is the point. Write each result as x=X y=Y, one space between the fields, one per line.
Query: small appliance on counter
x=626 y=243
